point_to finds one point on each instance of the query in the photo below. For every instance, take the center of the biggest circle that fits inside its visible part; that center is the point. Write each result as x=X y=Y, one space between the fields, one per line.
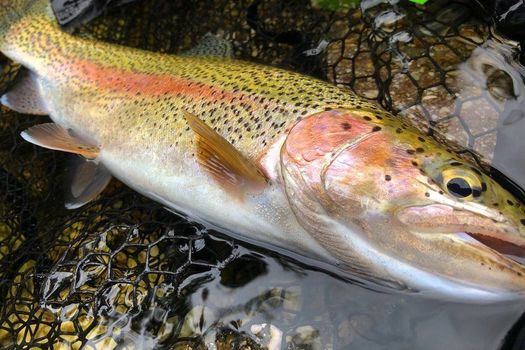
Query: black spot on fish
x=427 y=194
x=399 y=130
x=414 y=163
x=510 y=202
x=420 y=150
x=379 y=117
x=376 y=128
x=410 y=151
x=388 y=177
x=483 y=187
x=346 y=126
x=421 y=139
x=367 y=118
x=456 y=163
x=522 y=221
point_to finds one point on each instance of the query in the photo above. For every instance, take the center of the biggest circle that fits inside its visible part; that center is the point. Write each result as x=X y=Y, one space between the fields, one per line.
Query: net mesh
x=120 y=272
x=414 y=64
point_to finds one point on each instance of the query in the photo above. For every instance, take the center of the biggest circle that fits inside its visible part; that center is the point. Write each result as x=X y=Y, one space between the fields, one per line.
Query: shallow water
x=343 y=315
x=125 y=273
x=200 y=288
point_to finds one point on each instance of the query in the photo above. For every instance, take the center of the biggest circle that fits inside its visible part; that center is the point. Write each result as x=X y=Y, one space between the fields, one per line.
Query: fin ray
x=88 y=181
x=25 y=96
x=211 y=45
x=54 y=136
x=224 y=162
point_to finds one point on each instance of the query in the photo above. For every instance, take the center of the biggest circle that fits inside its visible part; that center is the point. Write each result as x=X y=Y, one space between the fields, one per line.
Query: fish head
x=376 y=193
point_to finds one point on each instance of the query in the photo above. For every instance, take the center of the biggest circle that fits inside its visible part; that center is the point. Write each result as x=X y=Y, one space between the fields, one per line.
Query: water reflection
x=147 y=288
x=505 y=83
x=341 y=315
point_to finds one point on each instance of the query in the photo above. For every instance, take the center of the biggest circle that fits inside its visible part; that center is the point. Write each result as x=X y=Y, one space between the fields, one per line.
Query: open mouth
x=509 y=249
x=485 y=232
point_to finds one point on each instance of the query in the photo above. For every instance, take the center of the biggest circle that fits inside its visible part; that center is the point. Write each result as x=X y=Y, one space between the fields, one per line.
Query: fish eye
x=459 y=187
x=461 y=183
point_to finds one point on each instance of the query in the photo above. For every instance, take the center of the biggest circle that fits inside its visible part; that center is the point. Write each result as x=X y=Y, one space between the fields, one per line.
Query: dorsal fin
x=224 y=162
x=210 y=45
x=54 y=136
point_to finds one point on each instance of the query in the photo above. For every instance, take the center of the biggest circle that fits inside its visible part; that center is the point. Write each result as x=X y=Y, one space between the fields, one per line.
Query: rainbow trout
x=275 y=157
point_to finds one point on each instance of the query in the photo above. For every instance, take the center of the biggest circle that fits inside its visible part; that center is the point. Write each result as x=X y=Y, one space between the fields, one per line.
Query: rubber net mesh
x=123 y=267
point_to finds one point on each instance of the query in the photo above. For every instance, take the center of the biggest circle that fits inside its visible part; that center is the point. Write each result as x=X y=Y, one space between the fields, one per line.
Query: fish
x=271 y=156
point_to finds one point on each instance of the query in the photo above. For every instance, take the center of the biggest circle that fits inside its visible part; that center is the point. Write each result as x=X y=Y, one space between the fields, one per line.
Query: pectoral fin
x=54 y=136
x=25 y=96
x=88 y=181
x=223 y=162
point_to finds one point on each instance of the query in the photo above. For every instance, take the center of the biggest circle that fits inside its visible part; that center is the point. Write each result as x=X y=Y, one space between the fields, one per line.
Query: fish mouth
x=504 y=247
x=498 y=235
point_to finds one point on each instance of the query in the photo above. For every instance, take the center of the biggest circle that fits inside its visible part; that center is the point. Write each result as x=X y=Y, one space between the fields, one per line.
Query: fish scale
x=271 y=156
x=262 y=101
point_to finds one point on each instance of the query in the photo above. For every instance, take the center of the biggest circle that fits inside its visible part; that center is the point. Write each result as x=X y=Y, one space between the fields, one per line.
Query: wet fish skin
x=148 y=143
x=348 y=183
x=398 y=199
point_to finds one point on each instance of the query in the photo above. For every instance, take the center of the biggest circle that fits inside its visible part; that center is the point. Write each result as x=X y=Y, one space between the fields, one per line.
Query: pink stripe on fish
x=152 y=85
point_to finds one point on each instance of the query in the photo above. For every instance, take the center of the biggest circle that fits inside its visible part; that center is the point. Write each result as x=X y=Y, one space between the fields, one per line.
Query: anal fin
x=89 y=179
x=226 y=165
x=25 y=96
x=54 y=136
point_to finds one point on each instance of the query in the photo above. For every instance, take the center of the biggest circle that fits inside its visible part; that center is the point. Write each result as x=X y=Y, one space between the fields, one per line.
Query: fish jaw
x=493 y=230
x=354 y=169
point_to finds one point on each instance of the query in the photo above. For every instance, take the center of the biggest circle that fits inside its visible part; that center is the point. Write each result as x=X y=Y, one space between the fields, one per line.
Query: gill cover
x=307 y=153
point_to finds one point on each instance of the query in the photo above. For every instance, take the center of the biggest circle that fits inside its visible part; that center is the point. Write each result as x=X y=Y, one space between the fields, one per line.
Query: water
x=347 y=316
x=125 y=273
x=221 y=287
